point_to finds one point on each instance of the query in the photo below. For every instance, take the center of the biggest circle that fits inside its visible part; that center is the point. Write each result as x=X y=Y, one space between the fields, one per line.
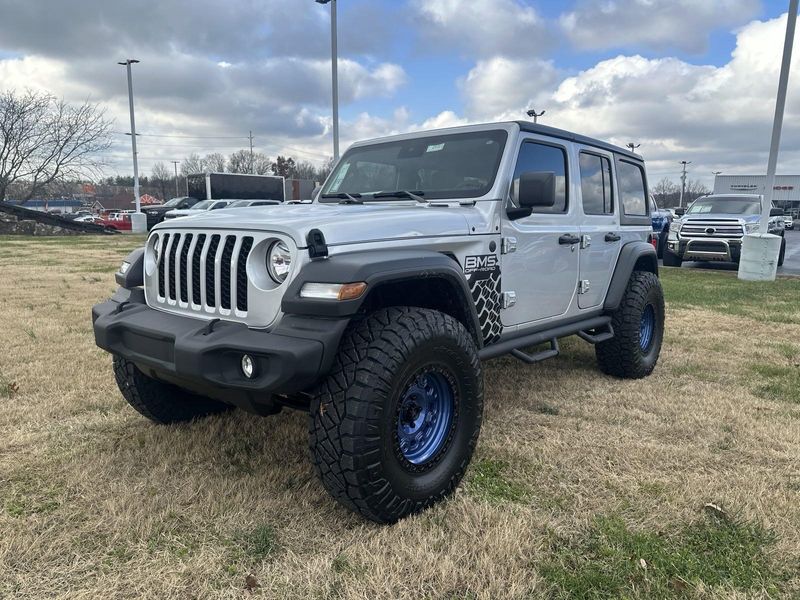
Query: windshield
x=173 y=202
x=725 y=204
x=203 y=205
x=239 y=203
x=462 y=165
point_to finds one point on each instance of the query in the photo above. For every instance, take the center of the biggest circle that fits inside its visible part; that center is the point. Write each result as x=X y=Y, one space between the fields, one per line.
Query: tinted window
x=535 y=157
x=460 y=165
x=631 y=188
x=596 y=184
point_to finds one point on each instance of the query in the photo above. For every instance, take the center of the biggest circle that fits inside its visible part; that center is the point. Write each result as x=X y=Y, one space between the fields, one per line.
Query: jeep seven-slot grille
x=204 y=272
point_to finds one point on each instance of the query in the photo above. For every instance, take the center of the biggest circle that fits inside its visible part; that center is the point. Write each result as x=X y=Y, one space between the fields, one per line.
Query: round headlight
x=279 y=261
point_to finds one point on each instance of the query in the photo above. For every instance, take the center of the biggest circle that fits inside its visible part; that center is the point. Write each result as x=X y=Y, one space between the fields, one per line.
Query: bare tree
x=240 y=162
x=215 y=162
x=283 y=166
x=161 y=178
x=304 y=170
x=193 y=164
x=44 y=140
x=325 y=170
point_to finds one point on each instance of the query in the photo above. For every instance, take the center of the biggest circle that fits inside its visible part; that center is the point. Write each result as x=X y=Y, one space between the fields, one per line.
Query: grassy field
x=686 y=484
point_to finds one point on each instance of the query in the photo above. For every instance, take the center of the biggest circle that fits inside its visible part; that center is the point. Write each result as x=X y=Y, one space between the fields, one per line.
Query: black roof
x=575 y=137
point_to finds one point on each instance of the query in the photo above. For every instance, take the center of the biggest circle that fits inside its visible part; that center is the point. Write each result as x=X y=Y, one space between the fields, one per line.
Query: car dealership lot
x=578 y=477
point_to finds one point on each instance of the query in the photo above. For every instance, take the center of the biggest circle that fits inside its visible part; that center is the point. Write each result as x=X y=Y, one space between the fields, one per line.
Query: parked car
x=661 y=219
x=197 y=209
x=118 y=221
x=788 y=222
x=373 y=307
x=712 y=228
x=155 y=214
x=246 y=203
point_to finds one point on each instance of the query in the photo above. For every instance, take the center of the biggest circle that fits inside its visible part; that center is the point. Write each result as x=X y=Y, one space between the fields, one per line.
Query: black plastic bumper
x=289 y=359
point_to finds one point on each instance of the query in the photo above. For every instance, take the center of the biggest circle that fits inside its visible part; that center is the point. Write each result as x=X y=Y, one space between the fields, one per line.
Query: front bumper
x=206 y=360
x=721 y=250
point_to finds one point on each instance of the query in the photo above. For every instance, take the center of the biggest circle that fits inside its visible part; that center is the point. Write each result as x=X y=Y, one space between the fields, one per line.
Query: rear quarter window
x=632 y=188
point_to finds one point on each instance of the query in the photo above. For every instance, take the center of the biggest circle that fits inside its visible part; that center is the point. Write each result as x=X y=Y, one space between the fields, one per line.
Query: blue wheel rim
x=424 y=416
x=647 y=327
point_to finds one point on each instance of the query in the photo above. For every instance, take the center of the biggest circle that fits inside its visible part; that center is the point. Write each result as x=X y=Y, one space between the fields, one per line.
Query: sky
x=687 y=79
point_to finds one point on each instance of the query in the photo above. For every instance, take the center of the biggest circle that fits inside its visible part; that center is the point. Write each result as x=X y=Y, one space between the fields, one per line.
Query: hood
x=712 y=216
x=341 y=224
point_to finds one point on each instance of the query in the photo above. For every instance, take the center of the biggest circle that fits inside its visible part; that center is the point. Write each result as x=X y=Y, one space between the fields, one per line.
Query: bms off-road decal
x=483 y=277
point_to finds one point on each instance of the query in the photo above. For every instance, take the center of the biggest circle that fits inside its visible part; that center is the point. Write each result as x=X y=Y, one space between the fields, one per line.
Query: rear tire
x=638 y=330
x=671 y=259
x=782 y=254
x=662 y=243
x=158 y=401
x=393 y=427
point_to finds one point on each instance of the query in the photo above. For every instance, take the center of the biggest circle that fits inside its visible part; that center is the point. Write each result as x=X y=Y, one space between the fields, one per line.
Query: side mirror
x=532 y=189
x=680 y=212
x=775 y=212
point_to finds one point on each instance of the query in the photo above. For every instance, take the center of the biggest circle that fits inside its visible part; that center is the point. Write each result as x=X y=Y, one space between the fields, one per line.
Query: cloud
x=718 y=117
x=657 y=24
x=480 y=27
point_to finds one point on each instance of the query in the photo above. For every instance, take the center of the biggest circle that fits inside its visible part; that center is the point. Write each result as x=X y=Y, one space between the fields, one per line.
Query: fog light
x=248 y=366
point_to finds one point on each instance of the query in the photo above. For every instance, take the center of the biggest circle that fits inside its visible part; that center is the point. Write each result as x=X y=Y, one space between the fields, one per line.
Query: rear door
x=600 y=226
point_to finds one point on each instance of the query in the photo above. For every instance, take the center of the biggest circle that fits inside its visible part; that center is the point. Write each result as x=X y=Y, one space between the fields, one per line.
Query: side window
x=542 y=157
x=596 y=184
x=631 y=188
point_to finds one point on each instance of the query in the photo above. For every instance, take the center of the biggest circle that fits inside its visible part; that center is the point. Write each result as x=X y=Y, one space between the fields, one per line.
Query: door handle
x=612 y=237
x=568 y=239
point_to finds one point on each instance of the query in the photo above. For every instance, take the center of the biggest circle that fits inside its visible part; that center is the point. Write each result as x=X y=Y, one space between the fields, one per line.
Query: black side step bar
x=597 y=335
x=532 y=339
x=539 y=356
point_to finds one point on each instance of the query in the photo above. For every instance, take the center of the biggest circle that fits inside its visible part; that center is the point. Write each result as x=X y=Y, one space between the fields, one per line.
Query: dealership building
x=786 y=191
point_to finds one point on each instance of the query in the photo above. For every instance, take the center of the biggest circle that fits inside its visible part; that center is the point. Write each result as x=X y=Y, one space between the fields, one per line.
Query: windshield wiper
x=348 y=198
x=415 y=195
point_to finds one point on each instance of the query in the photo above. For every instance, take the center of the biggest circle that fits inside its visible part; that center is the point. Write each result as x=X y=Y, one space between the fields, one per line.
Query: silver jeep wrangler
x=373 y=307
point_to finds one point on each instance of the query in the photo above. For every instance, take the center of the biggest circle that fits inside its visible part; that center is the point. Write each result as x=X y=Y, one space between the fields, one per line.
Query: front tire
x=393 y=427
x=161 y=402
x=638 y=330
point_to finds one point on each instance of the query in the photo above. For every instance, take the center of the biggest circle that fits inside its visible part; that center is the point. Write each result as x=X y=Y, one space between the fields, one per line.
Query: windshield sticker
x=339 y=178
x=435 y=147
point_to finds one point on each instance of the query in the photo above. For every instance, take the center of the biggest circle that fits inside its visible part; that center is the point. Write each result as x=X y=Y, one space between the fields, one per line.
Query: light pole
x=683 y=181
x=632 y=146
x=532 y=113
x=175 y=162
x=138 y=223
x=334 y=76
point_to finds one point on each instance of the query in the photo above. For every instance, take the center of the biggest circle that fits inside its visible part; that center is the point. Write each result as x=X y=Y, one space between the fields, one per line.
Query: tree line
x=668 y=193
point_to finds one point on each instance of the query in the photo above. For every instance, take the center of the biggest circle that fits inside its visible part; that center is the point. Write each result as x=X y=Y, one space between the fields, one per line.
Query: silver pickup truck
x=712 y=228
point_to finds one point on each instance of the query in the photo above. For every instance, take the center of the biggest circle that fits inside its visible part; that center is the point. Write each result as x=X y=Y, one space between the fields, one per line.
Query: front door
x=543 y=270
x=601 y=238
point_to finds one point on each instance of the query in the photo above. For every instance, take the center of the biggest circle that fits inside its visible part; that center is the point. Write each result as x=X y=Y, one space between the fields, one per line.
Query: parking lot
x=791 y=264
x=579 y=478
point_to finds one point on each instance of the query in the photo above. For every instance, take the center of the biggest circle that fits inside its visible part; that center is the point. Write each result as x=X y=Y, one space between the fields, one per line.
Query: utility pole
x=138 y=224
x=683 y=181
x=532 y=113
x=334 y=76
x=252 y=163
x=175 y=162
x=633 y=146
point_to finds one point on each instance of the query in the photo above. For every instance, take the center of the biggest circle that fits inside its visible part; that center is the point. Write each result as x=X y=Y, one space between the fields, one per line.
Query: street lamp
x=138 y=220
x=334 y=76
x=683 y=181
x=531 y=113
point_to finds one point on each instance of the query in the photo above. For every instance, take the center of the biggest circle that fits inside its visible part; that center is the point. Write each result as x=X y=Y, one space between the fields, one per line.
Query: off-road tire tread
x=621 y=356
x=161 y=402
x=371 y=350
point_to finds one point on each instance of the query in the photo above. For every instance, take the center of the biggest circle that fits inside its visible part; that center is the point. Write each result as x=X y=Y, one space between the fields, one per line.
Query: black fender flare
x=134 y=276
x=639 y=256
x=376 y=268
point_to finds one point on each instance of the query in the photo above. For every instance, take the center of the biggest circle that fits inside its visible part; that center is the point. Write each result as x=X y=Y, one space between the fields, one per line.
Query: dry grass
x=577 y=476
